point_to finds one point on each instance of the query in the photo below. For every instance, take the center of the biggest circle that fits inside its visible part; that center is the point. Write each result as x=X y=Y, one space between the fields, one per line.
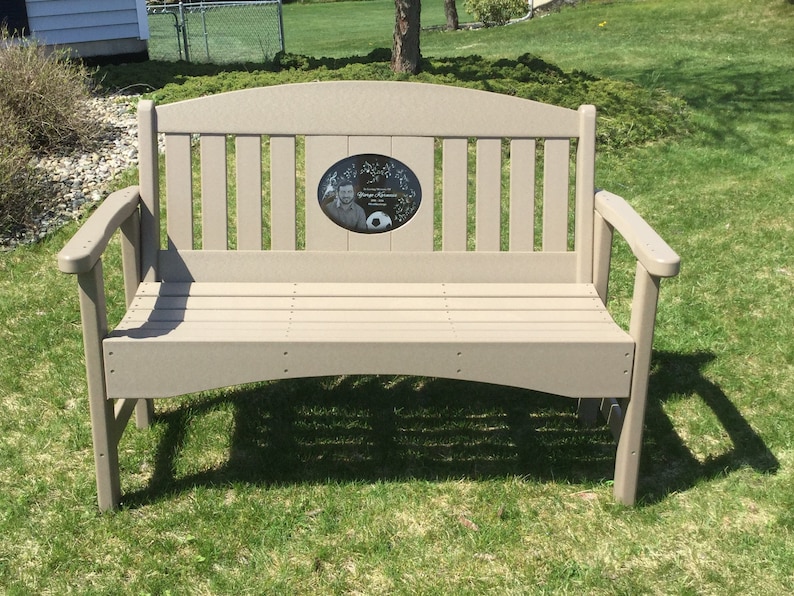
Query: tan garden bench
x=502 y=280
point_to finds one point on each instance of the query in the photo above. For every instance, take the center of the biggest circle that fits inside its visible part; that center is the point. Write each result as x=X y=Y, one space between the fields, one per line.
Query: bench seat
x=226 y=334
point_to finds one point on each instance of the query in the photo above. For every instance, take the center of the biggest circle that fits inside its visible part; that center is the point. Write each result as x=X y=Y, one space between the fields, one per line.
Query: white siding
x=64 y=22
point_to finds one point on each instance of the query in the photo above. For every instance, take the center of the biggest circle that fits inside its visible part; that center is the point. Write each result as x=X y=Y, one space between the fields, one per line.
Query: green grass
x=330 y=29
x=380 y=485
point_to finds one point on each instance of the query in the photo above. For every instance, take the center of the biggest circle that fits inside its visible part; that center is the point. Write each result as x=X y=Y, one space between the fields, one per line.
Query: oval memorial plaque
x=369 y=193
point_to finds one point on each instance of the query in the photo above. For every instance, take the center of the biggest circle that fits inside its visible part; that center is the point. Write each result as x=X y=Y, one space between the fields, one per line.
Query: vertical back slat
x=321 y=153
x=585 y=193
x=418 y=153
x=179 y=191
x=380 y=146
x=214 y=212
x=489 y=194
x=149 y=178
x=454 y=194
x=522 y=195
x=249 y=192
x=556 y=167
x=282 y=193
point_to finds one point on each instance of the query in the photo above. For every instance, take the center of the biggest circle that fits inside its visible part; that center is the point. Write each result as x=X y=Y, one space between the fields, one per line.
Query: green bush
x=629 y=115
x=495 y=12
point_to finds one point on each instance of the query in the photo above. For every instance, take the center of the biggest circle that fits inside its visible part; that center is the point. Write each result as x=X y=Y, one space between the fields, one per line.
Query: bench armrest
x=653 y=253
x=85 y=248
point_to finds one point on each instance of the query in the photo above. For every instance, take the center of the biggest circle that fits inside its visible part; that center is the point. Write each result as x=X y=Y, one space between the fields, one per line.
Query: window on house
x=14 y=16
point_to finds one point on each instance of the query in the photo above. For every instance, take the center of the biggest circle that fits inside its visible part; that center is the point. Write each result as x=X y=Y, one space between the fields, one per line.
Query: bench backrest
x=501 y=178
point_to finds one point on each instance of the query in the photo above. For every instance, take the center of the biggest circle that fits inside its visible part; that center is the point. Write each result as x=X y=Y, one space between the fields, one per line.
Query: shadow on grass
x=369 y=429
x=668 y=463
x=752 y=94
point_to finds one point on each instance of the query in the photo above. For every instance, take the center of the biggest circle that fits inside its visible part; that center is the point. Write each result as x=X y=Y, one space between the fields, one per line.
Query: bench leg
x=106 y=453
x=587 y=410
x=627 y=460
x=106 y=459
x=144 y=411
x=643 y=317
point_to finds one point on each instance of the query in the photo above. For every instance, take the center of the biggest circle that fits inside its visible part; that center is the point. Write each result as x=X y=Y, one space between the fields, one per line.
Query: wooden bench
x=250 y=278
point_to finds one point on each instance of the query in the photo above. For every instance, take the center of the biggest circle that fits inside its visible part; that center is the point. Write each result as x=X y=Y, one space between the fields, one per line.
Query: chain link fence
x=216 y=32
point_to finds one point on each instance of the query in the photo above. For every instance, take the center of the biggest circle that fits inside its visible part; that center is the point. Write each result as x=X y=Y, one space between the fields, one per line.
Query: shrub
x=44 y=92
x=42 y=110
x=629 y=115
x=495 y=12
x=20 y=184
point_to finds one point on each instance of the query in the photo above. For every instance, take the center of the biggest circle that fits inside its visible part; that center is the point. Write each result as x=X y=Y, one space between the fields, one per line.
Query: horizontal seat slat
x=343 y=330
x=388 y=303
x=373 y=316
x=365 y=289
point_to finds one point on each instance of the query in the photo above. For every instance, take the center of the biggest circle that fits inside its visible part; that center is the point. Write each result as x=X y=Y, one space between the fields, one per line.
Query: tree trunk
x=405 y=54
x=451 y=10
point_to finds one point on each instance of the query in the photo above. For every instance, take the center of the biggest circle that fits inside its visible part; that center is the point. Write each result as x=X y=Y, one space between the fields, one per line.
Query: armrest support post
x=602 y=255
x=131 y=266
x=655 y=260
x=130 y=255
x=95 y=327
x=641 y=328
x=82 y=255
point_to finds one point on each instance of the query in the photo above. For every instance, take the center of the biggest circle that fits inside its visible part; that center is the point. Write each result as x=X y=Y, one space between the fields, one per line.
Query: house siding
x=90 y=27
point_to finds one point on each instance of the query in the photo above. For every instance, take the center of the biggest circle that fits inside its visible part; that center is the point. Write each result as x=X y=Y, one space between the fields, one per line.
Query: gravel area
x=79 y=179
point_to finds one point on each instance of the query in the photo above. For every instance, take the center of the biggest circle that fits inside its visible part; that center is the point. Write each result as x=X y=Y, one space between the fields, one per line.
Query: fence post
x=204 y=26
x=183 y=25
x=280 y=25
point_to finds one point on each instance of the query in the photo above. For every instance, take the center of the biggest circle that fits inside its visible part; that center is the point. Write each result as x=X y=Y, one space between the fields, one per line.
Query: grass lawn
x=427 y=486
x=246 y=34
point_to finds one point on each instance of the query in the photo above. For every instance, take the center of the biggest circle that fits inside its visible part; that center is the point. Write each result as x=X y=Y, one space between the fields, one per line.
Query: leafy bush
x=495 y=12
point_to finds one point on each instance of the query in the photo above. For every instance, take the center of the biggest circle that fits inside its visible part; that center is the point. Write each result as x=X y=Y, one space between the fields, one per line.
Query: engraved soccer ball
x=378 y=221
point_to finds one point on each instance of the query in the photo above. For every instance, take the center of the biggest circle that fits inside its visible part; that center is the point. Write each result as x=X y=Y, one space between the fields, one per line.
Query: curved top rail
x=385 y=108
